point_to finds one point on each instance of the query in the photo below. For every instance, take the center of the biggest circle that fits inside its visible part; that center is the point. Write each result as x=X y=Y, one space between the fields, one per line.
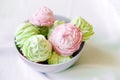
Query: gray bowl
x=51 y=68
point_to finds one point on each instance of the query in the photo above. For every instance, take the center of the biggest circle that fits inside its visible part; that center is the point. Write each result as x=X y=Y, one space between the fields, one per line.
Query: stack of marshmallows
x=44 y=39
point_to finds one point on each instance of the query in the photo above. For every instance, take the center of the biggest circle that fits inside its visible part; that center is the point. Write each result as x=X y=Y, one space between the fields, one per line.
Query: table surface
x=100 y=58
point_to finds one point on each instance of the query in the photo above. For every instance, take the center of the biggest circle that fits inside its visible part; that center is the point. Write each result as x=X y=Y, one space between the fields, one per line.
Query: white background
x=100 y=59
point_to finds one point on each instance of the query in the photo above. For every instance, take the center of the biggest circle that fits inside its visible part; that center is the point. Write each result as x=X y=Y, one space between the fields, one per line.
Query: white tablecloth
x=100 y=58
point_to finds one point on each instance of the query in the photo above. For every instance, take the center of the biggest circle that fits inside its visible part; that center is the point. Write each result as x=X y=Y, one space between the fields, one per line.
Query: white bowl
x=52 y=67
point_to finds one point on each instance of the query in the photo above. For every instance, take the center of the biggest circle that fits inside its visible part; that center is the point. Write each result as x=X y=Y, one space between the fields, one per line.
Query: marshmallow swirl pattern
x=66 y=39
x=37 y=48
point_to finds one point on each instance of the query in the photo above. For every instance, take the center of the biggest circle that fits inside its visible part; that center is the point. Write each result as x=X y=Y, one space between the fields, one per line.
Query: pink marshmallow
x=66 y=39
x=42 y=17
